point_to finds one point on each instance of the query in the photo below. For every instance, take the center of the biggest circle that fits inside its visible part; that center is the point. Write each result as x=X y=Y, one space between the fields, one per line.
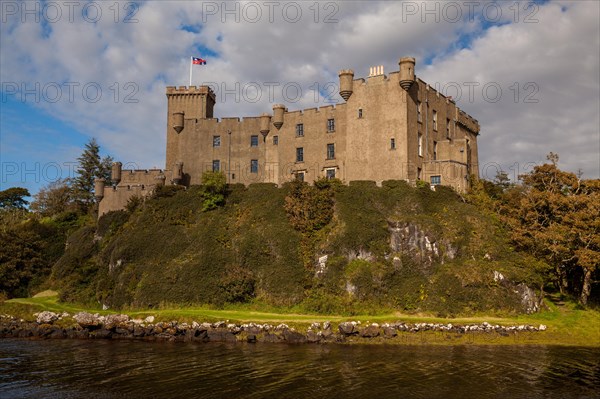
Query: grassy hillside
x=389 y=248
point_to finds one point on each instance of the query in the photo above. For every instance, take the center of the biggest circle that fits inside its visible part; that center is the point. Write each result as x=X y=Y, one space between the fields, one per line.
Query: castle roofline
x=229 y=119
x=182 y=90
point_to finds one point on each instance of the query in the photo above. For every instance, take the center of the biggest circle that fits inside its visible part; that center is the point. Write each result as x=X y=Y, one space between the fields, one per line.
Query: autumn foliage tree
x=55 y=198
x=556 y=217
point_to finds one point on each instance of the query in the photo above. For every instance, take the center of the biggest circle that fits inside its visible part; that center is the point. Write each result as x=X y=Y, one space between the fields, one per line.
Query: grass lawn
x=567 y=324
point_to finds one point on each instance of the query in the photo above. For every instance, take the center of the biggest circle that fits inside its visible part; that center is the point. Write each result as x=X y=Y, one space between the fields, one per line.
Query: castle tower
x=185 y=103
x=278 y=111
x=407 y=72
x=265 y=124
x=115 y=173
x=346 y=83
x=99 y=189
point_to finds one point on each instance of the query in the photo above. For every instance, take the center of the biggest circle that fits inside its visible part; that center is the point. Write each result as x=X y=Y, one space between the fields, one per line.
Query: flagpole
x=190 y=71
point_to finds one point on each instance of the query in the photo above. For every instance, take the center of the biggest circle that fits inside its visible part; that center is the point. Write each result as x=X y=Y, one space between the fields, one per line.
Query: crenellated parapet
x=126 y=184
x=191 y=91
x=466 y=121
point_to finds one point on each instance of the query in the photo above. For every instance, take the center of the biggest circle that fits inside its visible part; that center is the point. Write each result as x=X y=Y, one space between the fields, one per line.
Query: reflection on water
x=116 y=369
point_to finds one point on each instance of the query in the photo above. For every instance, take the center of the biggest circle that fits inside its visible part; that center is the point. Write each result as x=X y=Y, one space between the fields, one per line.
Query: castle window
x=299 y=130
x=419 y=174
x=392 y=144
x=419 y=109
x=330 y=125
x=436 y=180
x=448 y=128
x=434 y=120
x=254 y=141
x=299 y=175
x=330 y=151
x=216 y=165
x=420 y=144
x=216 y=141
x=359 y=113
x=299 y=154
x=254 y=166
x=435 y=150
x=275 y=140
x=330 y=173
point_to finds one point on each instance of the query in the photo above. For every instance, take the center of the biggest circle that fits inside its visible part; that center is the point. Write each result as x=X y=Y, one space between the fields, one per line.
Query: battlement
x=467 y=121
x=392 y=77
x=318 y=110
x=146 y=177
x=183 y=90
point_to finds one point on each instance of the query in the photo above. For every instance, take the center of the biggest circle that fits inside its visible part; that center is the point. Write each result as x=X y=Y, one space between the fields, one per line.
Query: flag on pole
x=195 y=61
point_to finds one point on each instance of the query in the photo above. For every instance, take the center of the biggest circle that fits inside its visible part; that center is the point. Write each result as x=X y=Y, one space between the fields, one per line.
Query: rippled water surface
x=116 y=369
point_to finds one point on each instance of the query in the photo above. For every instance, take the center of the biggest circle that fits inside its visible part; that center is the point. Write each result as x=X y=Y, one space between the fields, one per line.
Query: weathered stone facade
x=390 y=127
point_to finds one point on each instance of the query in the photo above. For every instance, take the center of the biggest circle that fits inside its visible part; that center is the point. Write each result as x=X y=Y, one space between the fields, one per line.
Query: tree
x=27 y=253
x=55 y=198
x=215 y=184
x=556 y=217
x=12 y=198
x=90 y=167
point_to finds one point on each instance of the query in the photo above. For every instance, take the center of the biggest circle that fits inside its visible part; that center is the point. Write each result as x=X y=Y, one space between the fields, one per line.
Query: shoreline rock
x=121 y=326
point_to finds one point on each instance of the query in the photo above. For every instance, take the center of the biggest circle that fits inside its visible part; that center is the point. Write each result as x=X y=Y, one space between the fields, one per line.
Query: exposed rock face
x=529 y=299
x=423 y=247
x=321 y=266
x=360 y=254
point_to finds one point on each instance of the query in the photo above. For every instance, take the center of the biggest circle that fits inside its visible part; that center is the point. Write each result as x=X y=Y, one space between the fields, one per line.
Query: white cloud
x=560 y=56
x=155 y=51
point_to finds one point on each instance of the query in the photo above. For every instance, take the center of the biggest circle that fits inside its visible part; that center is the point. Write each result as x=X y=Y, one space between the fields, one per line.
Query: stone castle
x=393 y=127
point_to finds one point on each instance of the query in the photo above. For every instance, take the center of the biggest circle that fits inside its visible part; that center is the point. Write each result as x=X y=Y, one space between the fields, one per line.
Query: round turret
x=178 y=121
x=407 y=72
x=99 y=189
x=265 y=124
x=346 y=83
x=115 y=173
x=278 y=110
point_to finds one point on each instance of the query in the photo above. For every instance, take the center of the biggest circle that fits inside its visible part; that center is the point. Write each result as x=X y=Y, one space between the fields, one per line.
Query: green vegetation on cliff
x=326 y=248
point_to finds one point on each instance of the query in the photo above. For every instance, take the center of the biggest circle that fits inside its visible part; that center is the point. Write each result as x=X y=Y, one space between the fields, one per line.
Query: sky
x=529 y=72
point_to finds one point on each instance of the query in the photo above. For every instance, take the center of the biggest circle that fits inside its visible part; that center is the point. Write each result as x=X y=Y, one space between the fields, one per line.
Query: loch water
x=132 y=369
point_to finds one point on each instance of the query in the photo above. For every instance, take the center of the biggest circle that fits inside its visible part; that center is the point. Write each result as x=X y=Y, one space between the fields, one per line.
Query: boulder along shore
x=49 y=325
